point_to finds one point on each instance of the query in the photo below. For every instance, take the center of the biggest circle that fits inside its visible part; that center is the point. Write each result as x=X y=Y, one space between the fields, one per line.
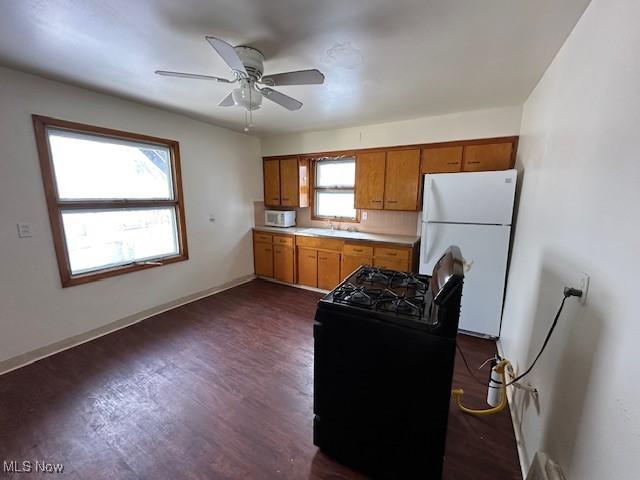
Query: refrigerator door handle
x=425 y=243
x=426 y=199
x=426 y=248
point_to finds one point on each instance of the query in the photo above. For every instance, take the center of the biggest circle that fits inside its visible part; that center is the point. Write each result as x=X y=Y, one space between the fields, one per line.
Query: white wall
x=221 y=175
x=495 y=122
x=579 y=149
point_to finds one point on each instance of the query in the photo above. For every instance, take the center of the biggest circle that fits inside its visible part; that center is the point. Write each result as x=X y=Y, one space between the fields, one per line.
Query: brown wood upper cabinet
x=402 y=180
x=286 y=182
x=441 y=159
x=370 y=175
x=490 y=156
x=289 y=192
x=271 y=171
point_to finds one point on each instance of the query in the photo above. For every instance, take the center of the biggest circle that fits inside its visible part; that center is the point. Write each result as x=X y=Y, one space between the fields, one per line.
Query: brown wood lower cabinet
x=308 y=267
x=283 y=263
x=323 y=262
x=263 y=259
x=352 y=262
x=328 y=270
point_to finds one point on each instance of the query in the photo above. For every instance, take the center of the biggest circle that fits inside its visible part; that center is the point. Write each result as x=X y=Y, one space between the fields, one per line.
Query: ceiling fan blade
x=227 y=101
x=228 y=54
x=165 y=73
x=301 y=77
x=281 y=99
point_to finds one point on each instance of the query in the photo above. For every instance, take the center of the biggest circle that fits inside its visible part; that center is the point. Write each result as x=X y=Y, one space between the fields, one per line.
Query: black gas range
x=383 y=365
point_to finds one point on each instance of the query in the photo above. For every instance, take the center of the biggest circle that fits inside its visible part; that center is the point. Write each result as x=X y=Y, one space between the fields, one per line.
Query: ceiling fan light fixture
x=247 y=97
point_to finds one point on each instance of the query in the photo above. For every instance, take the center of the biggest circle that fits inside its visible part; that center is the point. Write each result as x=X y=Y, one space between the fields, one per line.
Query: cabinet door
x=308 y=267
x=370 y=170
x=271 y=171
x=352 y=262
x=402 y=180
x=328 y=270
x=491 y=156
x=283 y=263
x=398 y=265
x=263 y=259
x=289 y=182
x=441 y=160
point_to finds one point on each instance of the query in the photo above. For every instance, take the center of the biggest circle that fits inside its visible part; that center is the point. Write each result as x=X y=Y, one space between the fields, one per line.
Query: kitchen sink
x=327 y=232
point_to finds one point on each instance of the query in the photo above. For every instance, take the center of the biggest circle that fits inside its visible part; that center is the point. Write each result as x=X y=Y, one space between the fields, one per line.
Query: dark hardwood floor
x=219 y=388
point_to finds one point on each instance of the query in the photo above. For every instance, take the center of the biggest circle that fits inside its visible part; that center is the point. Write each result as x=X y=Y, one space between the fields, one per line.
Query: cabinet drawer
x=279 y=240
x=391 y=253
x=262 y=237
x=319 y=243
x=357 y=250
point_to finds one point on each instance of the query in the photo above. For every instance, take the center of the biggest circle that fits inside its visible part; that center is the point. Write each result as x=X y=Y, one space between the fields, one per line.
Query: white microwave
x=280 y=218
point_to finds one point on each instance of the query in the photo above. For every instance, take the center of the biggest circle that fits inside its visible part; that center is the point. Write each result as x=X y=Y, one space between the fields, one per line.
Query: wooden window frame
x=314 y=189
x=55 y=206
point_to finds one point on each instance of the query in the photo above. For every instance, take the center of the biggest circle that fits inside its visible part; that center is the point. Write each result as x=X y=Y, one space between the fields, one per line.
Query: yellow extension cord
x=500 y=368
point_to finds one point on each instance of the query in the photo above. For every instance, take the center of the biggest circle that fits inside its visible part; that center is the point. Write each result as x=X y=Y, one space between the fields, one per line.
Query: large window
x=333 y=192
x=114 y=198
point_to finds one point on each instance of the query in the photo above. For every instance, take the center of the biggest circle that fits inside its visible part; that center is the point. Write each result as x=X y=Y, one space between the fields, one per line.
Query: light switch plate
x=24 y=230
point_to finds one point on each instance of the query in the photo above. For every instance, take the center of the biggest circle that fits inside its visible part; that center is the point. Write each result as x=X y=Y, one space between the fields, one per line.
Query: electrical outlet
x=365 y=215
x=24 y=230
x=583 y=284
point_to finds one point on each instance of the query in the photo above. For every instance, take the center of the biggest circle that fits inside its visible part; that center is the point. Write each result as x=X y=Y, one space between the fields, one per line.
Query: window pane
x=335 y=204
x=93 y=167
x=336 y=173
x=99 y=239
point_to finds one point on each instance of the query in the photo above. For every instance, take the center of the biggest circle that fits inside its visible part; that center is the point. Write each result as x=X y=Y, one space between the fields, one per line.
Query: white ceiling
x=383 y=59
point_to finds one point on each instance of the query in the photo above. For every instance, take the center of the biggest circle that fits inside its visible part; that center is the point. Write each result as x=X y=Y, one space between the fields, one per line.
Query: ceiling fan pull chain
x=250 y=111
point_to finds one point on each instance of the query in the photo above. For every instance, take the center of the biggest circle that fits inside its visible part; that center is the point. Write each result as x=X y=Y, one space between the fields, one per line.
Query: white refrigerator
x=473 y=211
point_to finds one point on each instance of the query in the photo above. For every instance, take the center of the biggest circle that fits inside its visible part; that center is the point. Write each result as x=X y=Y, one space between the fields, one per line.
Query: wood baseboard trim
x=294 y=285
x=27 y=358
x=522 y=456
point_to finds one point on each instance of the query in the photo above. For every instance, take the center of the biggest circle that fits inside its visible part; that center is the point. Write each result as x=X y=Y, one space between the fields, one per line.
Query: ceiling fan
x=246 y=63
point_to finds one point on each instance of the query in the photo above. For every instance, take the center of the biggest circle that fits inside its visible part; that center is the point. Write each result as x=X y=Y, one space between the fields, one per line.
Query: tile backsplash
x=378 y=221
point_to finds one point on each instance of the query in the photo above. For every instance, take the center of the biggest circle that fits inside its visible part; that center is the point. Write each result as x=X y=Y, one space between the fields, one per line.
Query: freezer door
x=485 y=249
x=475 y=197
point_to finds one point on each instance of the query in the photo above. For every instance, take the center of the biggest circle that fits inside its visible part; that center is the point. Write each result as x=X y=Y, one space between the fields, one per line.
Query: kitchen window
x=114 y=198
x=334 y=189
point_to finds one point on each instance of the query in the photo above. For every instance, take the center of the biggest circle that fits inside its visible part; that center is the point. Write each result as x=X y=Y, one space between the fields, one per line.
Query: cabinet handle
x=452 y=163
x=275 y=198
x=376 y=201
x=322 y=258
x=285 y=199
x=475 y=162
x=392 y=201
x=312 y=256
x=357 y=250
x=392 y=254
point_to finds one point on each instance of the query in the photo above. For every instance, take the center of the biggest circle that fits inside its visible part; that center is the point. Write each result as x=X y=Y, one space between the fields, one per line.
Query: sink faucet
x=331 y=225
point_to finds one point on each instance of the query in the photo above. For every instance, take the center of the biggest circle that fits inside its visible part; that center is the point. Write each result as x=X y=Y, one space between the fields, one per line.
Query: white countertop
x=407 y=240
